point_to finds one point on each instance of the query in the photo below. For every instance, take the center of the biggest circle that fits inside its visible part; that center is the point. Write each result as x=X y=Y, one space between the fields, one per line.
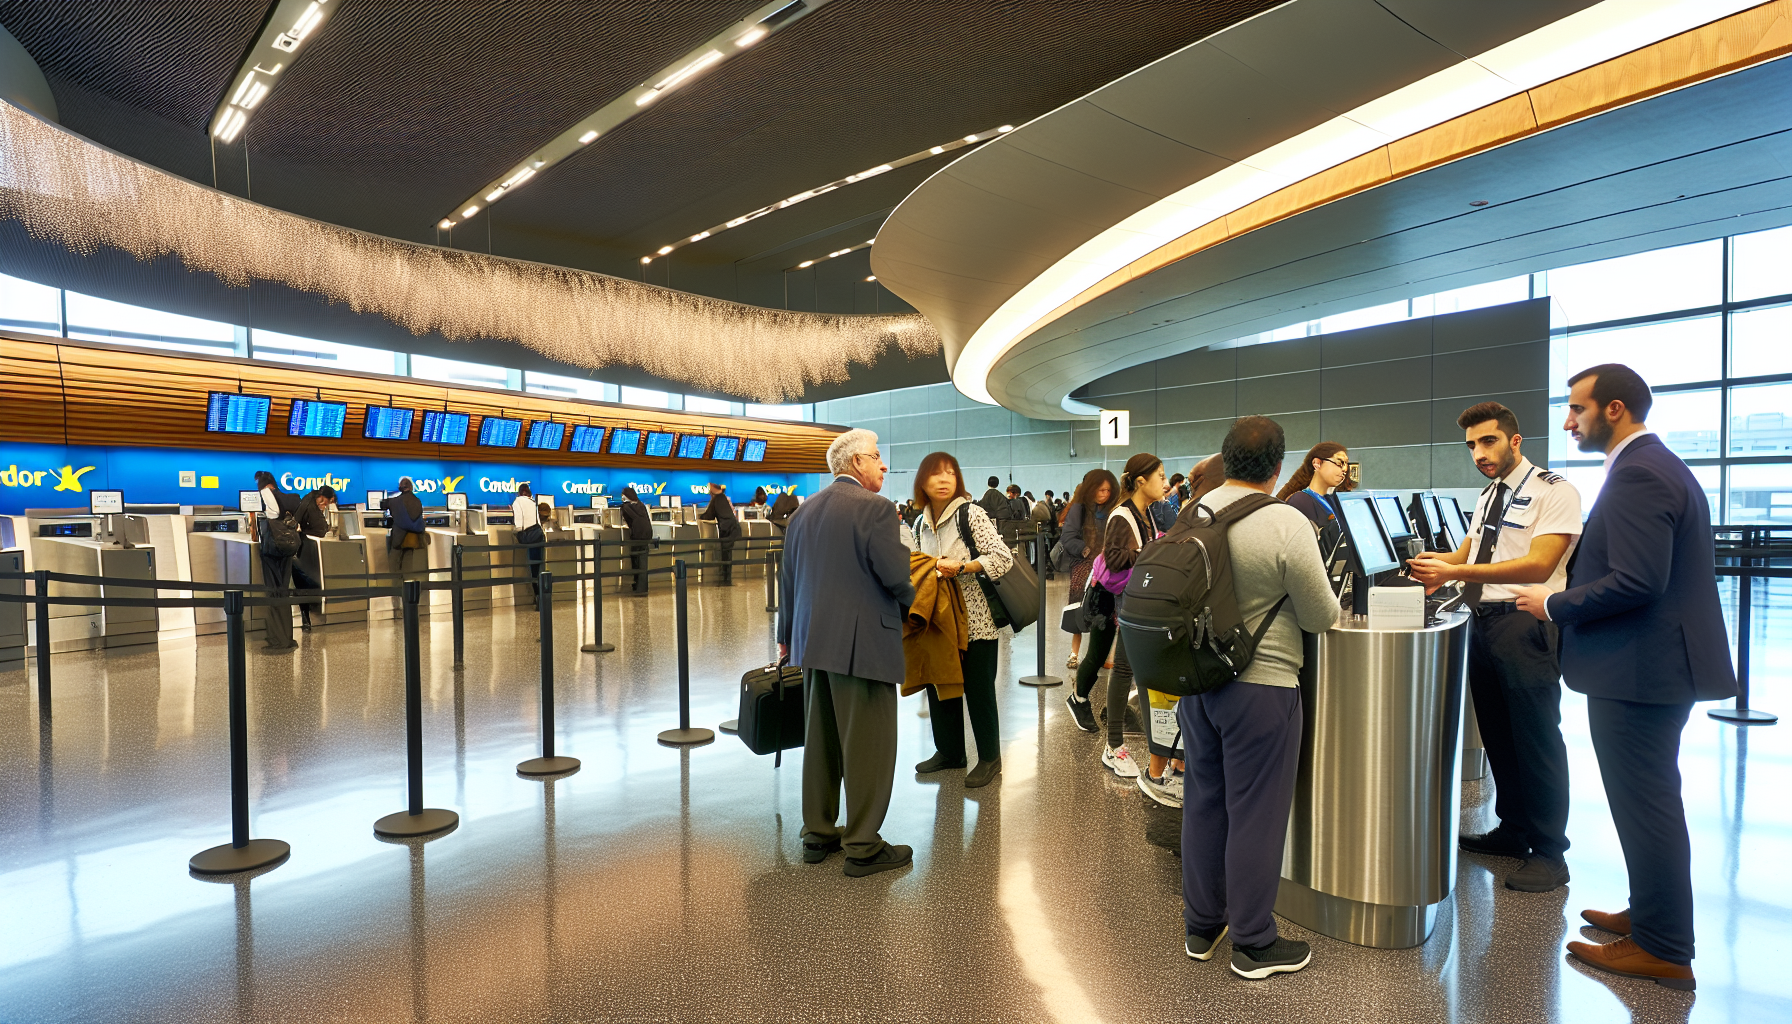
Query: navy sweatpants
x=1243 y=748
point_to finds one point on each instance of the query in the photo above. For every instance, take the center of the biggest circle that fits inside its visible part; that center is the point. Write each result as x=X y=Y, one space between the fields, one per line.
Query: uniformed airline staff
x=1525 y=523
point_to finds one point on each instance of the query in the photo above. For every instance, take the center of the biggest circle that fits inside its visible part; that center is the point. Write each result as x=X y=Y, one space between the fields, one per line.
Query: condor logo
x=68 y=478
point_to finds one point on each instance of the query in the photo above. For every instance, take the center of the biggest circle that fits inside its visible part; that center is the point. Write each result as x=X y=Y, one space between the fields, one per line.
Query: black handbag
x=1014 y=598
x=531 y=535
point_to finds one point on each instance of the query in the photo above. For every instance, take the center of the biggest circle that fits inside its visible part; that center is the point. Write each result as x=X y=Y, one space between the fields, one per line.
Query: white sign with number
x=1116 y=426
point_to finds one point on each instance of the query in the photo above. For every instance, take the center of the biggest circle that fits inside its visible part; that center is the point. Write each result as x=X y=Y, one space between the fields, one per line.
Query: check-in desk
x=12 y=613
x=614 y=557
x=165 y=529
x=337 y=557
x=1371 y=846
x=755 y=540
x=220 y=549
x=666 y=535
x=73 y=544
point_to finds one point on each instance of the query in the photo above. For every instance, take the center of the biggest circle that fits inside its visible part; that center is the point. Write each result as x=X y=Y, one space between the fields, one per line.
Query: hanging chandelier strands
x=65 y=189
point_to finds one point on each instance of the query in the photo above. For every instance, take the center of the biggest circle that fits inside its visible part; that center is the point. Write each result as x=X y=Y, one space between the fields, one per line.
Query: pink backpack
x=1115 y=582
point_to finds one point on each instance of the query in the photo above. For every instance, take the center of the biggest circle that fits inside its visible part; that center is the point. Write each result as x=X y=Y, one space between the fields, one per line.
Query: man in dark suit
x=845 y=580
x=637 y=522
x=727 y=527
x=1643 y=637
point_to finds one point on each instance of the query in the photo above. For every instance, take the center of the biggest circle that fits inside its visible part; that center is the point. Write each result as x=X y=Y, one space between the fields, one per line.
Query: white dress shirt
x=523 y=513
x=1537 y=503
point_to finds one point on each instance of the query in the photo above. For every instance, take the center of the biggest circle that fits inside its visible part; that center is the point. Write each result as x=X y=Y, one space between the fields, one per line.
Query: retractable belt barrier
x=1752 y=547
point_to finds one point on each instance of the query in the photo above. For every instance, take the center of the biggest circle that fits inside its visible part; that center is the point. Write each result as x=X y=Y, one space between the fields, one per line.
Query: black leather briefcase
x=771 y=709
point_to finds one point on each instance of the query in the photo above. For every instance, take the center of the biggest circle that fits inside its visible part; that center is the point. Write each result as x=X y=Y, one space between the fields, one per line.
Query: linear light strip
x=292 y=23
x=806 y=264
x=808 y=194
x=1590 y=36
x=754 y=28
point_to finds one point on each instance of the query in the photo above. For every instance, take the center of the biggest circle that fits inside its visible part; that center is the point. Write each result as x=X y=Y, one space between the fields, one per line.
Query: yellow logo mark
x=449 y=483
x=71 y=478
x=659 y=488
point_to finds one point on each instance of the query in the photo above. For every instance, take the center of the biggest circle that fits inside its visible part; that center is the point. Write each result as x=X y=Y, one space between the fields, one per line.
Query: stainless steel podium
x=1371 y=848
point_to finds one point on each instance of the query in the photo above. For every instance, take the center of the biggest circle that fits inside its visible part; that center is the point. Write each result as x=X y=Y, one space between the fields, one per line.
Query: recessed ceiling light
x=970 y=138
x=646 y=260
x=585 y=139
x=806 y=263
x=937 y=150
x=446 y=223
x=470 y=211
x=664 y=249
x=1005 y=129
x=873 y=277
x=287 y=26
x=751 y=36
x=699 y=236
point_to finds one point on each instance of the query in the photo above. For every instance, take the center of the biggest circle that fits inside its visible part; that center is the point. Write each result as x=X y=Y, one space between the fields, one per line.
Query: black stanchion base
x=1743 y=716
x=548 y=766
x=687 y=737
x=256 y=853
x=597 y=648
x=731 y=726
x=404 y=823
x=1041 y=681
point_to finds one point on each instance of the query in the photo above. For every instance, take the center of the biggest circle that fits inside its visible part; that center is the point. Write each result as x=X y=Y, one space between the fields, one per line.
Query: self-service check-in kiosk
x=110 y=544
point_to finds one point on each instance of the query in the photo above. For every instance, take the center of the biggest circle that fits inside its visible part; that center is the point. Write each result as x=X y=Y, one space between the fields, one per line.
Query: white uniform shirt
x=1538 y=502
x=523 y=513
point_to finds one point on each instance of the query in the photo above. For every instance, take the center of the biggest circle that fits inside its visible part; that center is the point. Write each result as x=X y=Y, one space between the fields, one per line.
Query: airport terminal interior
x=420 y=425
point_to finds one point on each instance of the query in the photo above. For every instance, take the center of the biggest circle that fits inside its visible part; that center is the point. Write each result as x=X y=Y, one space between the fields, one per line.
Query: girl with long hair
x=1083 y=524
x=1325 y=470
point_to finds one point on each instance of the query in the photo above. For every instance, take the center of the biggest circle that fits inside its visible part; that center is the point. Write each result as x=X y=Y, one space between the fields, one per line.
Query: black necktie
x=1490 y=534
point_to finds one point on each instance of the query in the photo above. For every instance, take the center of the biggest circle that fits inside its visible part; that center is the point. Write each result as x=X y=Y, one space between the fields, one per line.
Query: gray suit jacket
x=845 y=582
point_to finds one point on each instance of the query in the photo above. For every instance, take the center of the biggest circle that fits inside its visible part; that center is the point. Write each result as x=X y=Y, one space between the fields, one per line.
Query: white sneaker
x=1166 y=791
x=1120 y=762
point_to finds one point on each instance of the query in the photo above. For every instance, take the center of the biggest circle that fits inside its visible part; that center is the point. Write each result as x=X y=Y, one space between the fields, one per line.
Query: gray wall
x=1390 y=393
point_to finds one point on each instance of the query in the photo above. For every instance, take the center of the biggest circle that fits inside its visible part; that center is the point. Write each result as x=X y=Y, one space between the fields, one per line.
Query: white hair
x=857 y=441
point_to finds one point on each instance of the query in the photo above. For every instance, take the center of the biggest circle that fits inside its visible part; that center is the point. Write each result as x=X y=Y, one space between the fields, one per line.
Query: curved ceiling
x=1016 y=292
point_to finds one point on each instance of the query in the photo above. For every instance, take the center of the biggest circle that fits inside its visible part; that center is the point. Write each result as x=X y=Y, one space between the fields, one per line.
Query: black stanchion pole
x=597 y=645
x=415 y=820
x=41 y=586
x=684 y=735
x=458 y=602
x=771 y=582
x=1742 y=714
x=1039 y=678
x=243 y=853
x=547 y=763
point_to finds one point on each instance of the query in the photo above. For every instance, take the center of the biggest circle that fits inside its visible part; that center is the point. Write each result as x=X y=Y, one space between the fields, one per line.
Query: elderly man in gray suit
x=846 y=582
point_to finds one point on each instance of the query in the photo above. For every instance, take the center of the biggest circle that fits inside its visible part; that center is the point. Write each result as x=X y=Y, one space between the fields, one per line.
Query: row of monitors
x=232 y=413
x=1376 y=527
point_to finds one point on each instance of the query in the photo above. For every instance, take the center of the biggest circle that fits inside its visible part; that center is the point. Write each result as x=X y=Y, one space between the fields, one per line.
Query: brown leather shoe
x=1617 y=924
x=1627 y=958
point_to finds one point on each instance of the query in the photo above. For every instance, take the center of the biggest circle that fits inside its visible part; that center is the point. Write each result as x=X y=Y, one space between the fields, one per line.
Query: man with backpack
x=1241 y=738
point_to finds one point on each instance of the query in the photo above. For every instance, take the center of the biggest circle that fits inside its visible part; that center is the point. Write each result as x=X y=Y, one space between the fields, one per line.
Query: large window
x=568 y=387
x=92 y=319
x=25 y=306
x=290 y=348
x=642 y=396
x=453 y=371
x=781 y=412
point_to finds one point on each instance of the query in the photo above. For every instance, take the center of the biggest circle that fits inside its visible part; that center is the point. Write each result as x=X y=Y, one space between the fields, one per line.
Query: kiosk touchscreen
x=598 y=501
x=1369 y=551
x=457 y=501
x=373 y=500
x=105 y=503
x=1455 y=524
x=248 y=501
x=1393 y=519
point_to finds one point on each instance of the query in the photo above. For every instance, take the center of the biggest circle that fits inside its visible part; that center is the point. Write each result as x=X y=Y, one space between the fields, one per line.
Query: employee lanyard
x=1490 y=532
x=1324 y=502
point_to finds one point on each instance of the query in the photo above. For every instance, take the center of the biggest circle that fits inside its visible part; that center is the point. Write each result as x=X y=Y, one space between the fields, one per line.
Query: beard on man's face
x=1594 y=437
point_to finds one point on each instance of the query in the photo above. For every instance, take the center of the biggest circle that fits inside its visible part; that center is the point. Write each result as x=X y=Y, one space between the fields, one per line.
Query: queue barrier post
x=1039 y=678
x=458 y=602
x=41 y=594
x=1742 y=714
x=597 y=645
x=415 y=819
x=547 y=763
x=242 y=853
x=684 y=735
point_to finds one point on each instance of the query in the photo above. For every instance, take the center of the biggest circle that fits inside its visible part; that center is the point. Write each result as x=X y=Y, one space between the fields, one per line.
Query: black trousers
x=1514 y=676
x=727 y=552
x=1638 y=746
x=308 y=574
x=277 y=626
x=1095 y=654
x=637 y=558
x=947 y=716
x=535 y=563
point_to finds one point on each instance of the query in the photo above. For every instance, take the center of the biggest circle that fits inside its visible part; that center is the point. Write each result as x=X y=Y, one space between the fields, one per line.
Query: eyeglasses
x=1343 y=464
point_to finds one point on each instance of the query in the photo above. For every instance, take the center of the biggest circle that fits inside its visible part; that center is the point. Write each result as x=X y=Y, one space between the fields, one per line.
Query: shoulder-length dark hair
x=263 y=478
x=1304 y=475
x=1085 y=496
x=933 y=464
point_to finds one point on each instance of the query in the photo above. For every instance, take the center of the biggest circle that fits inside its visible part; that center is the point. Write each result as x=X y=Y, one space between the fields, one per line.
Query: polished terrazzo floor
x=658 y=884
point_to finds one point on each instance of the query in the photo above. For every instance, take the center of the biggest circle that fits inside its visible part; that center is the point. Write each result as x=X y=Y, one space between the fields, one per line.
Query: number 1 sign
x=1116 y=427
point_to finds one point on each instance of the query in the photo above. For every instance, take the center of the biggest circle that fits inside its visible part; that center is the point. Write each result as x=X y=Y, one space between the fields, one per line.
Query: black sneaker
x=1081 y=712
x=1283 y=956
x=815 y=853
x=938 y=763
x=1501 y=842
x=889 y=858
x=1539 y=873
x=1200 y=948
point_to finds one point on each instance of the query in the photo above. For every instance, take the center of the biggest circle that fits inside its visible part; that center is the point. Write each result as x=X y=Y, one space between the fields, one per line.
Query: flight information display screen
x=445 y=427
x=227 y=412
x=498 y=432
x=388 y=424
x=316 y=419
x=752 y=450
x=587 y=439
x=624 y=441
x=1373 y=553
x=726 y=449
x=691 y=446
x=546 y=435
x=659 y=443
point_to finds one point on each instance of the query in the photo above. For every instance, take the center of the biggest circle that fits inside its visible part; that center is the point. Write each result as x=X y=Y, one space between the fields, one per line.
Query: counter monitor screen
x=1372 y=553
x=691 y=446
x=726 y=449
x=752 y=450
x=105 y=503
x=1393 y=517
x=659 y=443
x=316 y=419
x=374 y=499
x=624 y=441
x=1434 y=518
x=1450 y=516
x=598 y=501
x=248 y=501
x=227 y=412
x=445 y=427
x=498 y=432
x=546 y=435
x=589 y=440
x=457 y=501
x=385 y=423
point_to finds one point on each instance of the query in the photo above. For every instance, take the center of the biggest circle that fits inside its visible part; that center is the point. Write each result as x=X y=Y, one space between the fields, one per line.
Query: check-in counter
x=337 y=558
x=755 y=540
x=1371 y=845
x=71 y=544
x=12 y=613
x=220 y=549
x=614 y=557
x=562 y=561
x=166 y=530
x=708 y=533
x=669 y=534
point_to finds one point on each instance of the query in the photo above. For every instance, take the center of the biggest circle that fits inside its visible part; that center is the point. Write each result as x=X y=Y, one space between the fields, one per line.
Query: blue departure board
x=726 y=448
x=691 y=446
x=316 y=419
x=752 y=450
x=498 y=432
x=624 y=441
x=546 y=435
x=388 y=424
x=659 y=443
x=445 y=428
x=227 y=412
x=587 y=439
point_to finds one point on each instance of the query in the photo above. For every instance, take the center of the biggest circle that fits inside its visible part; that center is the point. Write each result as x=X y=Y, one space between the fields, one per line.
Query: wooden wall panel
x=66 y=392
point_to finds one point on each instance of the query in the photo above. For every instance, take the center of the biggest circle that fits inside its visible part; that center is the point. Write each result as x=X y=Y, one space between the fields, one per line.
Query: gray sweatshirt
x=1275 y=552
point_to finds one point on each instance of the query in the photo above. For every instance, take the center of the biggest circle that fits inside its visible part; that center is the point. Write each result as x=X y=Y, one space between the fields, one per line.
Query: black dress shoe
x=1501 y=842
x=815 y=853
x=938 y=763
x=305 y=626
x=1539 y=874
x=889 y=858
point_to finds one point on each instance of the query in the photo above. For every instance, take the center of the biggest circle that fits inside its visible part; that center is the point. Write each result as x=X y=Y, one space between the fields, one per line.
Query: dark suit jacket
x=406 y=511
x=845 y=580
x=312 y=521
x=637 y=520
x=782 y=510
x=1640 y=618
x=722 y=511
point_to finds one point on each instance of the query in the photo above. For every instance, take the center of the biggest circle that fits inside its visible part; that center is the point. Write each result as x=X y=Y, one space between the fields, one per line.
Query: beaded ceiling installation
x=63 y=188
